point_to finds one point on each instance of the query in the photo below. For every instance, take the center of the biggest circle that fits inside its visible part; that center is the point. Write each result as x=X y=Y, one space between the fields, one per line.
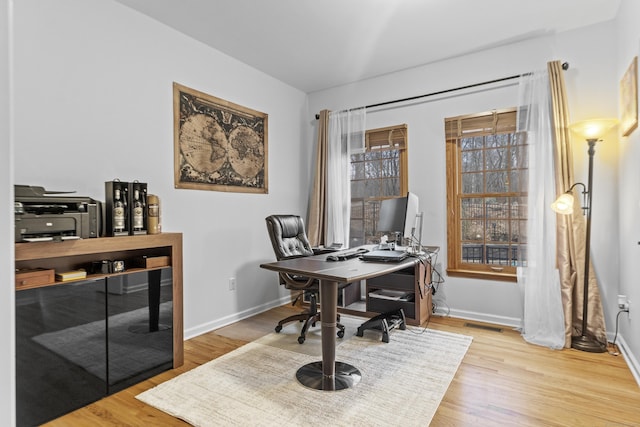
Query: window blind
x=502 y=121
x=391 y=137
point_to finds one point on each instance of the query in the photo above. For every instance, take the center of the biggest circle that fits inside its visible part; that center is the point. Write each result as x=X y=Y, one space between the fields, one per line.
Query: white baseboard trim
x=631 y=360
x=513 y=322
x=224 y=321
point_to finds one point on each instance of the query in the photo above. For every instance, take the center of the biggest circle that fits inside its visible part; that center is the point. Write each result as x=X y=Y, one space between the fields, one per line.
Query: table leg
x=328 y=374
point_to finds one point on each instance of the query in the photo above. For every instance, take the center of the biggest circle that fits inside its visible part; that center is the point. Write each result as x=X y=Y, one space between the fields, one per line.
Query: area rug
x=130 y=352
x=402 y=383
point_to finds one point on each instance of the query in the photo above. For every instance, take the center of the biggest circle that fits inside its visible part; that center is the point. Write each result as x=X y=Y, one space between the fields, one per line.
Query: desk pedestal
x=311 y=375
x=328 y=374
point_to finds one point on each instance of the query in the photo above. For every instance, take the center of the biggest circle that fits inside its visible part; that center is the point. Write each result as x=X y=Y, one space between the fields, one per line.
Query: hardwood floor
x=502 y=381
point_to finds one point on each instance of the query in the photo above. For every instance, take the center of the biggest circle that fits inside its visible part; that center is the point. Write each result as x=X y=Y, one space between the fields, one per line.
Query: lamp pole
x=584 y=342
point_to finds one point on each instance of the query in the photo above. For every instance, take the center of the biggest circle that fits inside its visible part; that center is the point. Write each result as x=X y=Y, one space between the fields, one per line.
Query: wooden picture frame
x=218 y=145
x=629 y=99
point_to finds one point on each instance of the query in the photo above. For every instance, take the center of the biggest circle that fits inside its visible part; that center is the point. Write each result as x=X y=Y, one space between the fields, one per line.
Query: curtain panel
x=571 y=230
x=538 y=277
x=552 y=284
x=339 y=134
x=317 y=210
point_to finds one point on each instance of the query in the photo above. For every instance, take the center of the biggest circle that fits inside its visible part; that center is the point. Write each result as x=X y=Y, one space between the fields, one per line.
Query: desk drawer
x=26 y=279
x=401 y=281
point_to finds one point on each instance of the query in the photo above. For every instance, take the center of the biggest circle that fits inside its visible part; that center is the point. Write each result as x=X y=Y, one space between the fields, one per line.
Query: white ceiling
x=314 y=45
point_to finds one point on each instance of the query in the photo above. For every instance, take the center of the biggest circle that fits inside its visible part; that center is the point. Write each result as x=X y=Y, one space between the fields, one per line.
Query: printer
x=42 y=215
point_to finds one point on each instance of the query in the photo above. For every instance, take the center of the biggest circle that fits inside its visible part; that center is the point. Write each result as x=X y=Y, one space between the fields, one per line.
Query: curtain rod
x=565 y=66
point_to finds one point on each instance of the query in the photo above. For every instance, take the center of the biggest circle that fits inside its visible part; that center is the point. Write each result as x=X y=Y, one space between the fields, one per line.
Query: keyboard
x=345 y=255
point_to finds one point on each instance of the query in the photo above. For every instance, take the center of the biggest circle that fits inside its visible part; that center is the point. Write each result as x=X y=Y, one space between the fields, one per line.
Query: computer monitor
x=402 y=216
x=391 y=218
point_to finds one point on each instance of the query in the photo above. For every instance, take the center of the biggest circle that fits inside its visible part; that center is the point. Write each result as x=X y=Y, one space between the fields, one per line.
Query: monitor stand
x=414 y=249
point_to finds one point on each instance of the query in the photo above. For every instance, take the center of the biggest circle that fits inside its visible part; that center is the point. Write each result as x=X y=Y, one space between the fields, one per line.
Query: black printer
x=42 y=215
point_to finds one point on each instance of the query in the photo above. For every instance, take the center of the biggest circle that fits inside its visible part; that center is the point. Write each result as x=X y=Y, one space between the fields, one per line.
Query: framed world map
x=218 y=145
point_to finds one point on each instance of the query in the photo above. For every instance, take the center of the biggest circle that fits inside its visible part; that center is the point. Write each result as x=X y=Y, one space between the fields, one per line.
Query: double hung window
x=486 y=195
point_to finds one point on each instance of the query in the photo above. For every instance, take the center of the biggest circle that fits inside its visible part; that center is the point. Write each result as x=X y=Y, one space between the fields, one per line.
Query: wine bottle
x=118 y=212
x=138 y=211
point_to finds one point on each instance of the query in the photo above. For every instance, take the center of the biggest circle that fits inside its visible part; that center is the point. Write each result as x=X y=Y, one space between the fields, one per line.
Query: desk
x=328 y=374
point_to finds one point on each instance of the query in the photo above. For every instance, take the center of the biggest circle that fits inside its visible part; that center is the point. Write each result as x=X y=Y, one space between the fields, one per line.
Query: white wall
x=629 y=193
x=592 y=91
x=93 y=89
x=7 y=324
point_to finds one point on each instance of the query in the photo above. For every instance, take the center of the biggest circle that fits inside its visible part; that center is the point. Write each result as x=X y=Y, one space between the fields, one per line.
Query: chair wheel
x=300 y=340
x=278 y=328
x=340 y=334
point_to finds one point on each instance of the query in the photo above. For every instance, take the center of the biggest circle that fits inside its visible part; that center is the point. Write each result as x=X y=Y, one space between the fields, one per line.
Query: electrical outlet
x=622 y=302
x=629 y=309
x=232 y=283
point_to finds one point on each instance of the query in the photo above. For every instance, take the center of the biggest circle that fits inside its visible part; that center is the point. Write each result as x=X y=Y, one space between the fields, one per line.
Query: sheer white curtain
x=539 y=279
x=346 y=135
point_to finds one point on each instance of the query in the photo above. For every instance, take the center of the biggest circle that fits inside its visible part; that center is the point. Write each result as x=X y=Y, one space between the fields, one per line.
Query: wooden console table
x=68 y=255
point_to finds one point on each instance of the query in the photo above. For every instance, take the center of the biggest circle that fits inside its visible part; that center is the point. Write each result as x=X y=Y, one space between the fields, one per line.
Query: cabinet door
x=139 y=326
x=60 y=349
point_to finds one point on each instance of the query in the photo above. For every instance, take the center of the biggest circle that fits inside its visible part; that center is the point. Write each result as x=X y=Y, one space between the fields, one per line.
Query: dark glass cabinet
x=48 y=383
x=81 y=340
x=77 y=342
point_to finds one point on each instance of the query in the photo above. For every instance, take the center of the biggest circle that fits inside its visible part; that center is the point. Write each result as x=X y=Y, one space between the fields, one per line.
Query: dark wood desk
x=328 y=374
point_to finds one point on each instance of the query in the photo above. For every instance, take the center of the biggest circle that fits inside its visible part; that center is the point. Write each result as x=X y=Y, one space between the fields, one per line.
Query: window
x=377 y=174
x=486 y=195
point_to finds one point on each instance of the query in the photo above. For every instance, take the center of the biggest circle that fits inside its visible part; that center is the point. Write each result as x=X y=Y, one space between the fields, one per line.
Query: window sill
x=484 y=275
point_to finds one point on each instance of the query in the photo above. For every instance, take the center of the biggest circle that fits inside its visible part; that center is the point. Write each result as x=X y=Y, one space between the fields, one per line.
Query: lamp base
x=585 y=343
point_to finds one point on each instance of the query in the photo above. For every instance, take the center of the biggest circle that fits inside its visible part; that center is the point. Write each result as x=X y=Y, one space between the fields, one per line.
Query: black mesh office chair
x=289 y=240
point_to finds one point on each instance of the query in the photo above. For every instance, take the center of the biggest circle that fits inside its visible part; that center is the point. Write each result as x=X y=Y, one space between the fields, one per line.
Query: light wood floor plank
x=502 y=381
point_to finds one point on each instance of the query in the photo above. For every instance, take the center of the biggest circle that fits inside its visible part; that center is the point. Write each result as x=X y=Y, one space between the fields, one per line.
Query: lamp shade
x=563 y=204
x=593 y=128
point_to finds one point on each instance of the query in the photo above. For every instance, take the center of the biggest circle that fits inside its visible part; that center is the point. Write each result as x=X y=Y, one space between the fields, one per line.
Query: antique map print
x=218 y=145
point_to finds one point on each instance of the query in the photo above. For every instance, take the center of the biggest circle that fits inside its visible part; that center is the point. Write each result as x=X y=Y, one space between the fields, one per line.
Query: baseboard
x=512 y=322
x=224 y=321
x=629 y=357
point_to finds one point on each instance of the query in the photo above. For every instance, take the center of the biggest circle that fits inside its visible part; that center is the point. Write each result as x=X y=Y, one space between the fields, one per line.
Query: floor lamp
x=592 y=131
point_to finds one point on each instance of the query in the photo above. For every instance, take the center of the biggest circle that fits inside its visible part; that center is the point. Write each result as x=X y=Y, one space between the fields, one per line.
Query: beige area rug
x=402 y=382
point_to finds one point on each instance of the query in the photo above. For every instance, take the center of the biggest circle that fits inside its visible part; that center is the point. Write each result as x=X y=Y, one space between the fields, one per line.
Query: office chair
x=289 y=240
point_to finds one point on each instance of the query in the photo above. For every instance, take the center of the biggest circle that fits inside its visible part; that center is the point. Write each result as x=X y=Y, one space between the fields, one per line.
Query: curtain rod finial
x=317 y=116
x=565 y=66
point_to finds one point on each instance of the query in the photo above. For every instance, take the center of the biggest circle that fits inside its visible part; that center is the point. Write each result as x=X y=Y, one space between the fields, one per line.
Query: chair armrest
x=291 y=281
